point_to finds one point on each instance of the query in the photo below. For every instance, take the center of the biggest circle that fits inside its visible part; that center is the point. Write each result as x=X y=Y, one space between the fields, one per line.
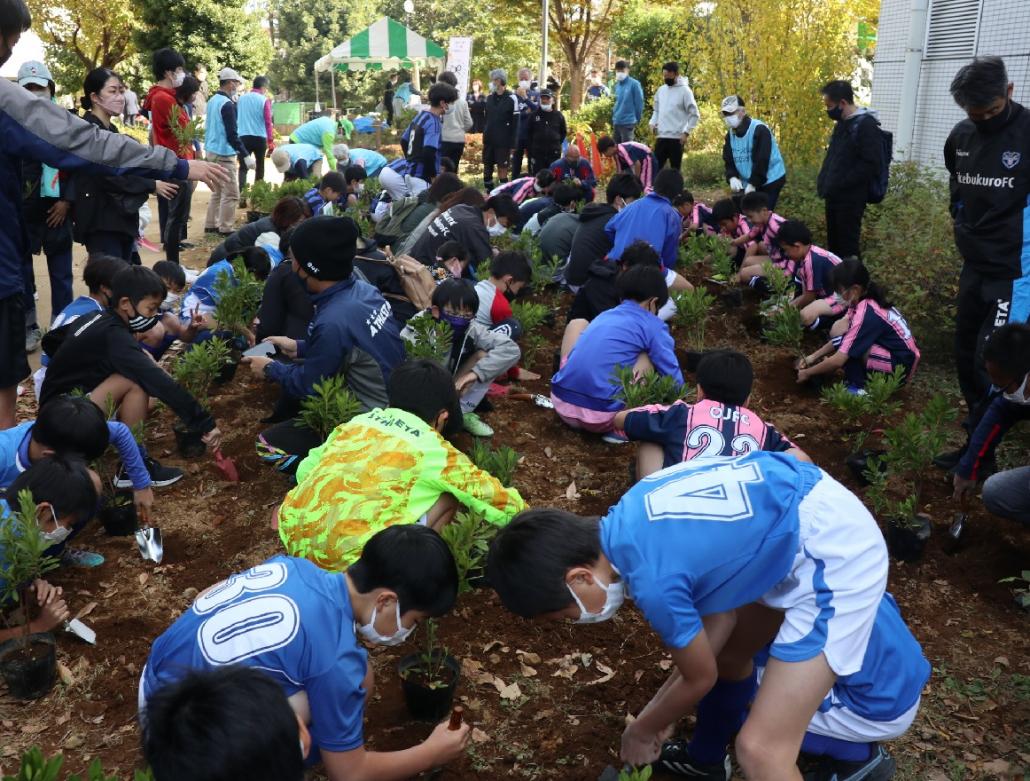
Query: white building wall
x=1004 y=29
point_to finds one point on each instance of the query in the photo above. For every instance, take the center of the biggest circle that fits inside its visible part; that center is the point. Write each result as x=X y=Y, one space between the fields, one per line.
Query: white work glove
x=250 y=161
x=749 y=189
x=735 y=184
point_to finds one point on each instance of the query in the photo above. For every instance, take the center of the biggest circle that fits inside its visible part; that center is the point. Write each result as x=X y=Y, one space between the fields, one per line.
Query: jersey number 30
x=719 y=494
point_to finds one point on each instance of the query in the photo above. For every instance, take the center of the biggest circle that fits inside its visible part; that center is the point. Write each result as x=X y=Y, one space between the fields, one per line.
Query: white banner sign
x=459 y=61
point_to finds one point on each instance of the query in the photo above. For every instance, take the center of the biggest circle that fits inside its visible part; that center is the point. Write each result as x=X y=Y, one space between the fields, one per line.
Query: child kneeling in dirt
x=479 y=355
x=584 y=389
x=717 y=424
x=411 y=475
x=301 y=625
x=722 y=556
x=64 y=491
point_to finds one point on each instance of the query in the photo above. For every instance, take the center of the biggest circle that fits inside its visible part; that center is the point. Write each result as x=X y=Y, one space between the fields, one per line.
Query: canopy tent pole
x=318 y=107
x=416 y=81
x=332 y=83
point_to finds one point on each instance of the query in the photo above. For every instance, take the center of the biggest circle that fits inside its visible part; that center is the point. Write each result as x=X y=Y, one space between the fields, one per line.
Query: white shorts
x=833 y=591
x=400 y=186
x=141 y=700
x=670 y=277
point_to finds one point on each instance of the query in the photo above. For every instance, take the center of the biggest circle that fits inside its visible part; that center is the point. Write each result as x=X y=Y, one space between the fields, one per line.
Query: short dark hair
x=623 y=185
x=164 y=60
x=190 y=86
x=413 y=561
x=355 y=173
x=754 y=202
x=456 y=293
x=288 y=211
x=793 y=232
x=725 y=209
x=565 y=194
x=528 y=559
x=640 y=253
x=1009 y=349
x=255 y=260
x=604 y=143
x=511 y=262
x=671 y=66
x=443 y=184
x=980 y=82
x=100 y=270
x=684 y=197
x=334 y=181
x=452 y=249
x=838 y=90
x=260 y=82
x=72 y=424
x=61 y=480
x=544 y=178
x=642 y=282
x=424 y=388
x=725 y=376
x=448 y=77
x=503 y=205
x=668 y=182
x=169 y=269
x=447 y=165
x=442 y=93
x=621 y=64
x=221 y=724
x=15 y=17
x=136 y=283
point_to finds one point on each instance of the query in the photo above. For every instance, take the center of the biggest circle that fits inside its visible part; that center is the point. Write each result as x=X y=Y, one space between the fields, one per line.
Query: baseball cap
x=35 y=72
x=546 y=93
x=730 y=104
x=228 y=74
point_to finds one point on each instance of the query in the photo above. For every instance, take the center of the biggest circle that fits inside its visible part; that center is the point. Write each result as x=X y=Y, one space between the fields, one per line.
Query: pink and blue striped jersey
x=520 y=190
x=814 y=271
x=702 y=430
x=740 y=228
x=767 y=235
x=701 y=219
x=871 y=325
x=630 y=152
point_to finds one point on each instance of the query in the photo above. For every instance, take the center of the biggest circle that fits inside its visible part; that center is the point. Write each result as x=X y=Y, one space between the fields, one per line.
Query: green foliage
x=650 y=34
x=331 y=405
x=36 y=767
x=197 y=368
x=1021 y=588
x=186 y=134
x=704 y=169
x=500 y=462
x=468 y=537
x=781 y=322
x=801 y=202
x=23 y=560
x=430 y=338
x=531 y=316
x=262 y=196
x=876 y=404
x=431 y=660
x=593 y=117
x=642 y=773
x=649 y=388
x=239 y=297
x=692 y=309
x=698 y=250
x=722 y=261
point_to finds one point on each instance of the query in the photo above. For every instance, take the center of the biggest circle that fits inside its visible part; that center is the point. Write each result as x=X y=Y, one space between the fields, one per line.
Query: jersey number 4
x=719 y=494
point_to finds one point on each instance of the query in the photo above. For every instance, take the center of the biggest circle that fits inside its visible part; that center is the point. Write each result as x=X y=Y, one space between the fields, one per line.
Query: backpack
x=390 y=227
x=877 y=189
x=416 y=280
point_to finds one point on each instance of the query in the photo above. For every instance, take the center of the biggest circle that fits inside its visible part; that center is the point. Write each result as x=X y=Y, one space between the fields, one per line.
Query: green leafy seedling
x=197 y=368
x=692 y=309
x=500 y=462
x=430 y=338
x=649 y=388
x=331 y=405
x=239 y=297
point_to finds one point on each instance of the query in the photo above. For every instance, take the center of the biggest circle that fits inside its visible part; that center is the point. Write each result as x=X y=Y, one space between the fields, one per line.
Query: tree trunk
x=575 y=63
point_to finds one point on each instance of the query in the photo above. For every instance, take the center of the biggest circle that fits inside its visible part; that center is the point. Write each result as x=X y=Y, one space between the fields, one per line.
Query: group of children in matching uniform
x=764 y=578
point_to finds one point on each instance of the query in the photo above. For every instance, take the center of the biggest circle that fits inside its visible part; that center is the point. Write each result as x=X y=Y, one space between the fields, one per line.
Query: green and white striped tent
x=385 y=44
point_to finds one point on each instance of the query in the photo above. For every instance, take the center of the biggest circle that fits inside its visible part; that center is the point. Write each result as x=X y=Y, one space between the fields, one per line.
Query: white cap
x=730 y=104
x=281 y=160
x=228 y=74
x=35 y=72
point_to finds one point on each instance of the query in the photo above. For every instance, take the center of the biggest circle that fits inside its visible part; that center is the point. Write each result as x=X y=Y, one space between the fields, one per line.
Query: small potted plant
x=429 y=679
x=196 y=369
x=27 y=663
x=431 y=338
x=239 y=297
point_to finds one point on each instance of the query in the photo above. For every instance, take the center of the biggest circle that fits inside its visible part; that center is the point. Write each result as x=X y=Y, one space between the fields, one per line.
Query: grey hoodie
x=501 y=352
x=675 y=110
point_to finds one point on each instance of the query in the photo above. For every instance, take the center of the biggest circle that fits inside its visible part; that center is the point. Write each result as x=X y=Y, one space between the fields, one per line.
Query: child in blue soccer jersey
x=876 y=704
x=722 y=556
x=301 y=624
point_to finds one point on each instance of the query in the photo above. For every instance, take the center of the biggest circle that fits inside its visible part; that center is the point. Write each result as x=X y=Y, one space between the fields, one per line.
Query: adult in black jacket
x=988 y=157
x=750 y=153
x=502 y=124
x=547 y=130
x=286 y=213
x=852 y=162
x=98 y=354
x=469 y=226
x=590 y=243
x=106 y=211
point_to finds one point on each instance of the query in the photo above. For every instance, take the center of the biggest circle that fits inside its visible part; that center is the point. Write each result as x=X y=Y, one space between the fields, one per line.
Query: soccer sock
x=844 y=750
x=761 y=284
x=815 y=324
x=720 y=714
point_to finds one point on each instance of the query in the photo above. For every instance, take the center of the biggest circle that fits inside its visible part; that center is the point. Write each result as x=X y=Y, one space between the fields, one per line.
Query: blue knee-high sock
x=844 y=750
x=720 y=714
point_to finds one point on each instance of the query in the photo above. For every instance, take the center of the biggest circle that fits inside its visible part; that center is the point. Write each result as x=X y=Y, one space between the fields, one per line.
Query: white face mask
x=524 y=83
x=614 y=596
x=732 y=121
x=1019 y=396
x=546 y=106
x=621 y=75
x=59 y=534
x=369 y=632
x=496 y=229
x=178 y=78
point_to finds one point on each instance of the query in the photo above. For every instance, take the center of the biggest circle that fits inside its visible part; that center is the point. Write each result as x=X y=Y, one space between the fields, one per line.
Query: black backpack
x=877 y=190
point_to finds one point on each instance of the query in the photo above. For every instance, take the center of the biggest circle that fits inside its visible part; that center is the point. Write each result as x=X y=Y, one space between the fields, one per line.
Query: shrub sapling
x=431 y=339
x=331 y=405
x=692 y=308
x=649 y=388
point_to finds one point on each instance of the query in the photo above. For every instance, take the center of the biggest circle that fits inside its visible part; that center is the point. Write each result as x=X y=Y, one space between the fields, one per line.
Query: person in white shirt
x=456 y=123
x=675 y=116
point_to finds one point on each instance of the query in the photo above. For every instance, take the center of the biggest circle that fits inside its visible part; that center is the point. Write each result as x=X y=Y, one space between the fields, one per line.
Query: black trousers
x=286 y=444
x=453 y=150
x=669 y=150
x=772 y=189
x=173 y=215
x=518 y=154
x=499 y=156
x=844 y=227
x=111 y=243
x=984 y=304
x=258 y=146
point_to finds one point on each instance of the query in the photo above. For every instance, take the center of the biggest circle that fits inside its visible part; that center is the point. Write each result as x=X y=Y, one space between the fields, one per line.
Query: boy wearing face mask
x=546 y=132
x=405 y=574
x=100 y=355
x=750 y=153
x=590 y=242
x=479 y=354
x=471 y=225
x=510 y=273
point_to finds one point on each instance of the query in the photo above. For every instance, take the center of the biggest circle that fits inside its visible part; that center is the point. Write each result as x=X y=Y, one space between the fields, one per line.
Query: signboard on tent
x=459 y=61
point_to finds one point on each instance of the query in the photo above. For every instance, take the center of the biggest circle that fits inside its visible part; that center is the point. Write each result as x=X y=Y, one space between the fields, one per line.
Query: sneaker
x=160 y=476
x=949 y=460
x=33 y=338
x=854 y=390
x=879 y=767
x=676 y=758
x=615 y=439
x=213 y=231
x=77 y=557
x=186 y=245
x=475 y=426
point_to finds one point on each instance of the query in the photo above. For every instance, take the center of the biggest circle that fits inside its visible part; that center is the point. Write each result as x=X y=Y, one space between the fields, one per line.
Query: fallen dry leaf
x=571 y=493
x=33 y=728
x=89 y=608
x=548 y=452
x=540 y=715
x=608 y=674
x=566 y=672
x=509 y=692
x=491 y=646
x=527 y=671
x=997 y=767
x=478 y=736
x=74 y=741
x=665 y=664
x=638 y=675
x=143 y=578
x=528 y=657
x=1002 y=660
x=66 y=675
x=495 y=659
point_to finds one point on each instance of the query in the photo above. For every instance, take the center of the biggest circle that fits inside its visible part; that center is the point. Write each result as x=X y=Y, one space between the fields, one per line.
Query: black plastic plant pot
x=29 y=669
x=858 y=463
x=118 y=515
x=425 y=702
x=906 y=541
x=228 y=370
x=190 y=443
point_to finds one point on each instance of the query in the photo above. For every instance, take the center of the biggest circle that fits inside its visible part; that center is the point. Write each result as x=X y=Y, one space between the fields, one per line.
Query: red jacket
x=159 y=102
